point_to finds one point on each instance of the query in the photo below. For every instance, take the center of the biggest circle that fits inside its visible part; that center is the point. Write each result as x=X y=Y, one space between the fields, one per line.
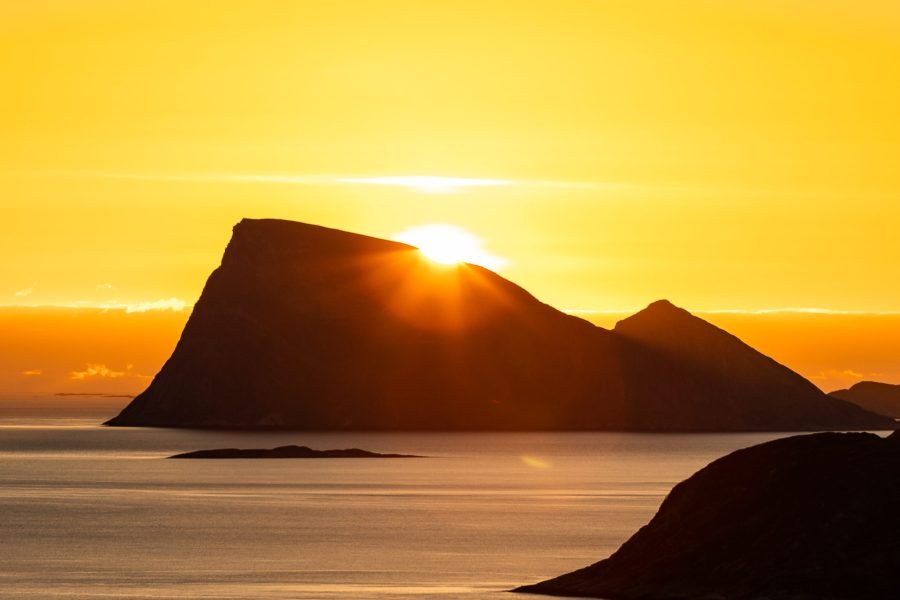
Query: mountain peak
x=662 y=304
x=276 y=240
x=873 y=385
x=705 y=366
x=676 y=332
x=881 y=398
x=659 y=314
x=664 y=307
x=308 y=327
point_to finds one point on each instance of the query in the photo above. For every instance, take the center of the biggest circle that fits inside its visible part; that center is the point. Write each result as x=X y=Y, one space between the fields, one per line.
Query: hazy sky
x=721 y=154
x=725 y=155
x=50 y=350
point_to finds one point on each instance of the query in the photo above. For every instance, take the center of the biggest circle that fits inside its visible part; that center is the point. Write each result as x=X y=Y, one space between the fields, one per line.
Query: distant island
x=98 y=394
x=799 y=518
x=288 y=452
x=309 y=328
x=881 y=398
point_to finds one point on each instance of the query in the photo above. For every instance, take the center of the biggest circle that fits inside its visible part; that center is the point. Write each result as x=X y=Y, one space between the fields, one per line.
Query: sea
x=88 y=511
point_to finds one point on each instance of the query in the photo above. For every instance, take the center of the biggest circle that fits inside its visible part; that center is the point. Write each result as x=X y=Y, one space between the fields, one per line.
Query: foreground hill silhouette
x=806 y=517
x=881 y=398
x=312 y=328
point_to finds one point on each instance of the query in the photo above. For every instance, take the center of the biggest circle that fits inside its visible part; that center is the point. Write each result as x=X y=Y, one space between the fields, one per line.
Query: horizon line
x=173 y=304
x=809 y=310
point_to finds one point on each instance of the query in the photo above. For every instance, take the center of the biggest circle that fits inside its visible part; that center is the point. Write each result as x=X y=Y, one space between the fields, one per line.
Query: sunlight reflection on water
x=84 y=519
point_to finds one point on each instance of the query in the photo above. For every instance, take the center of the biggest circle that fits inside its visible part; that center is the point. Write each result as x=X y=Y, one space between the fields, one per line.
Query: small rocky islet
x=288 y=452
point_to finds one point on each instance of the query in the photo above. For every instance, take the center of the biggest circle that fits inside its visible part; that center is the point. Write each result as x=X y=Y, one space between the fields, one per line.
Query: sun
x=449 y=245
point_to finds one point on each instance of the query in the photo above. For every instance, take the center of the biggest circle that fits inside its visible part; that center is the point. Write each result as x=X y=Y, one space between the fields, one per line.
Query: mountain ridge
x=874 y=396
x=307 y=327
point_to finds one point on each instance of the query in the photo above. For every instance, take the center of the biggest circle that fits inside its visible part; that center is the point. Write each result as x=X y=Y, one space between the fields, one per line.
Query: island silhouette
x=804 y=517
x=306 y=327
x=881 y=398
x=287 y=452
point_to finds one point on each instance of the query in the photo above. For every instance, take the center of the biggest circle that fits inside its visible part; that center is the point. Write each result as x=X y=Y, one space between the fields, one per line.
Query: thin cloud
x=421 y=183
x=94 y=371
x=673 y=188
x=831 y=374
x=800 y=310
x=427 y=183
x=739 y=311
x=24 y=293
x=172 y=304
x=33 y=372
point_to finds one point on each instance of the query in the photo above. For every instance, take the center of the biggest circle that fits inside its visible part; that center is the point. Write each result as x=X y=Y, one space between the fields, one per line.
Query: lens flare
x=450 y=245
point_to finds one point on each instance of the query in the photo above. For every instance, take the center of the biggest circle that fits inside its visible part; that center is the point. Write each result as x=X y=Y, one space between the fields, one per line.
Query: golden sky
x=111 y=351
x=736 y=155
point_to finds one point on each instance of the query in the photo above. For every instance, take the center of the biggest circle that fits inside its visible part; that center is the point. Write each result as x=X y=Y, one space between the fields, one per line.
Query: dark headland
x=288 y=452
x=881 y=398
x=810 y=517
x=310 y=328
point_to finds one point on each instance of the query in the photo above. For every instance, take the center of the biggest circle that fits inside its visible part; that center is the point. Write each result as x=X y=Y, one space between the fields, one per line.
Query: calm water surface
x=94 y=512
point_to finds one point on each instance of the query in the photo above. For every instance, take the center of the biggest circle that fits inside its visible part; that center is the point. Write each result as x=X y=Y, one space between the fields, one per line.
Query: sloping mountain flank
x=881 y=398
x=305 y=327
x=685 y=374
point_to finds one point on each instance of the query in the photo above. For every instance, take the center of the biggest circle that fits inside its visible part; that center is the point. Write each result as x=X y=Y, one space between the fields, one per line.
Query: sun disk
x=449 y=245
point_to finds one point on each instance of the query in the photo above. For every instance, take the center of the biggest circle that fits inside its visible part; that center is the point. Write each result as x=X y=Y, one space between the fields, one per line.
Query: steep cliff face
x=308 y=327
x=881 y=398
x=313 y=328
x=802 y=518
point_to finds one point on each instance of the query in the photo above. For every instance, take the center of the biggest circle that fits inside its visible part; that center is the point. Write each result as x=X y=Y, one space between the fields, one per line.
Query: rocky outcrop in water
x=304 y=327
x=802 y=518
x=288 y=452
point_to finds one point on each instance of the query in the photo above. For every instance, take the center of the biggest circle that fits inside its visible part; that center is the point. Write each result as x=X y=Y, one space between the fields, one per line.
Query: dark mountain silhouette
x=684 y=374
x=881 y=398
x=306 y=327
x=288 y=452
x=806 y=517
